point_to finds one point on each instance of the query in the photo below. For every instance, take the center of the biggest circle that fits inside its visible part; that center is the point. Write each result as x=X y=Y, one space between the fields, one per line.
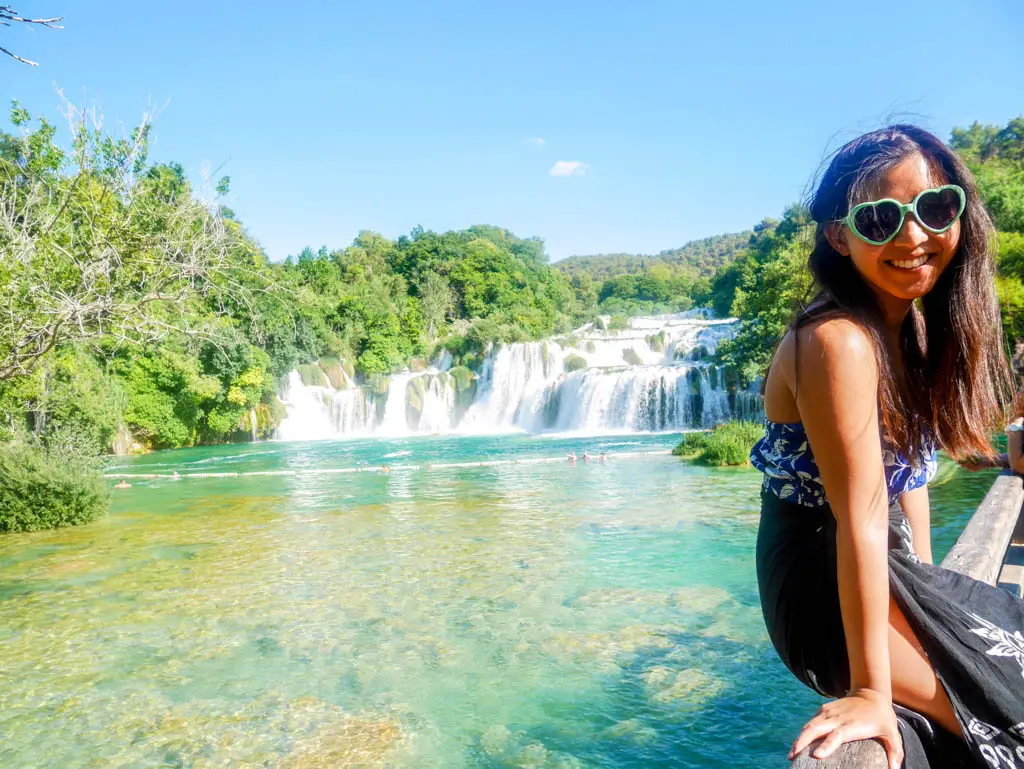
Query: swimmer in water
x=572 y=456
x=586 y=456
x=603 y=456
x=123 y=484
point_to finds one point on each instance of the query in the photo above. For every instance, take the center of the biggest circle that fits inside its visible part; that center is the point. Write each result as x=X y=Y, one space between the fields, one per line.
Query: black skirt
x=973 y=634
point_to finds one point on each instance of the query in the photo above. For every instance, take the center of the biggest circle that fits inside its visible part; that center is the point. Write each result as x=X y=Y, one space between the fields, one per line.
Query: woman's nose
x=912 y=233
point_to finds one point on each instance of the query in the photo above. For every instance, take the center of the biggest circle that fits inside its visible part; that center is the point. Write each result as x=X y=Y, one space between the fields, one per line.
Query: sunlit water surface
x=521 y=615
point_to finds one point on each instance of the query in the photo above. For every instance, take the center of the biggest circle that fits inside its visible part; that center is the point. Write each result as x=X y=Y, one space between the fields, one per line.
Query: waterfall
x=512 y=380
x=252 y=424
x=655 y=375
x=394 y=422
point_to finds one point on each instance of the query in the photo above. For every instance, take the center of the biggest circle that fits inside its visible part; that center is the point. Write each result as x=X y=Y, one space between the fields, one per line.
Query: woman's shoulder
x=825 y=338
x=833 y=338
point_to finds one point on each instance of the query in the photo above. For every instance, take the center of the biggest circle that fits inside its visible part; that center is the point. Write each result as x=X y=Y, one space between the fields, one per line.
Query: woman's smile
x=911 y=264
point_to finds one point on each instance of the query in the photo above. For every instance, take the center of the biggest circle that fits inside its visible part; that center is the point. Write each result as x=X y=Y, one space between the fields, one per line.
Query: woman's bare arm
x=838 y=402
x=916 y=508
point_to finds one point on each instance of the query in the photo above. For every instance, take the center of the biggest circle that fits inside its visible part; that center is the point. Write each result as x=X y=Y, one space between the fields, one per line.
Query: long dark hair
x=953 y=377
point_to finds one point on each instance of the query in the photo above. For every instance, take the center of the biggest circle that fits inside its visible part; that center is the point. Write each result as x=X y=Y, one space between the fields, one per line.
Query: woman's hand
x=863 y=715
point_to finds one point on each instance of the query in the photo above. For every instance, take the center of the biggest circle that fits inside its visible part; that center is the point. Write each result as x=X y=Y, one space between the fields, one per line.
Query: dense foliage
x=141 y=315
x=705 y=257
x=671 y=281
x=996 y=157
x=45 y=489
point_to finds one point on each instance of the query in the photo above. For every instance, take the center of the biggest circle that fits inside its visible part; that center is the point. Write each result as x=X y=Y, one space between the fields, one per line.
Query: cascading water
x=654 y=375
x=512 y=381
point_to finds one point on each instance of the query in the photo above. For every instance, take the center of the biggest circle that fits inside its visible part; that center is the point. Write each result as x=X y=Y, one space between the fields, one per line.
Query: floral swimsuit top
x=790 y=472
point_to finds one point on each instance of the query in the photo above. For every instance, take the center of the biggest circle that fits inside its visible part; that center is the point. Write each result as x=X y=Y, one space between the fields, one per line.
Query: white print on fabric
x=1001 y=756
x=1007 y=644
x=791 y=473
x=907 y=538
x=981 y=729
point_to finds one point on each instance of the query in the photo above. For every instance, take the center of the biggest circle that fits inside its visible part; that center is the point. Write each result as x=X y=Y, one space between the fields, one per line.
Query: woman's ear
x=836 y=234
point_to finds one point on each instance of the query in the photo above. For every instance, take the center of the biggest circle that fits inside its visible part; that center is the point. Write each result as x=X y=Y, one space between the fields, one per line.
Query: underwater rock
x=689 y=687
x=358 y=741
x=632 y=729
x=518 y=751
x=495 y=740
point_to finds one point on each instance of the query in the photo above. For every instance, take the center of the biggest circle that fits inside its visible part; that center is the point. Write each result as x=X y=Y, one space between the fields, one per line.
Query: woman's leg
x=914 y=683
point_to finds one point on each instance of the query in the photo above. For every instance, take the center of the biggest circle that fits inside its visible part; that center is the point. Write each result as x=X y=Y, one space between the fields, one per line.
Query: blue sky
x=689 y=120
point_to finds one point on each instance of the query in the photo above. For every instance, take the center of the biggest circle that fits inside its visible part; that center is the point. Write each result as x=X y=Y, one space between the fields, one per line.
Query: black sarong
x=973 y=634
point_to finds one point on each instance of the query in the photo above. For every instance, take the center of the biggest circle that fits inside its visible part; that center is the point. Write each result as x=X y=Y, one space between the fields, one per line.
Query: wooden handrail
x=979 y=552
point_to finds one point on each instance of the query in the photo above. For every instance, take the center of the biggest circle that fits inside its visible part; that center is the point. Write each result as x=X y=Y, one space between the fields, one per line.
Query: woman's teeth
x=910 y=264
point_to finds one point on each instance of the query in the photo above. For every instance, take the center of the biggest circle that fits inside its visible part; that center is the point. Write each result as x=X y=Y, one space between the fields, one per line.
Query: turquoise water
x=541 y=614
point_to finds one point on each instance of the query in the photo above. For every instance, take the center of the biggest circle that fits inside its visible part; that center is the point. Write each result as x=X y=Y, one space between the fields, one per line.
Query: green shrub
x=45 y=489
x=727 y=444
x=692 y=445
x=632 y=357
x=574 y=363
x=618 y=322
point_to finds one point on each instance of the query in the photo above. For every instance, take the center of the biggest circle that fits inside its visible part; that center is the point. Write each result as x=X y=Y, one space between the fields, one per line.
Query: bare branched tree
x=8 y=16
x=92 y=245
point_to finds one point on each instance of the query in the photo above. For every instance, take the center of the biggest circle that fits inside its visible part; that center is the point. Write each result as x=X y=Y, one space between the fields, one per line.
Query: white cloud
x=536 y=140
x=568 y=168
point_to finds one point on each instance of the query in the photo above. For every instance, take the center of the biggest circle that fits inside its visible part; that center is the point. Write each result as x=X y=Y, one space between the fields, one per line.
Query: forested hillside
x=706 y=256
x=674 y=280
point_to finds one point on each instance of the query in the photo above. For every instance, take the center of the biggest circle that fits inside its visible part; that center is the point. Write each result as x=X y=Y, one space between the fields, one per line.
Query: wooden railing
x=979 y=552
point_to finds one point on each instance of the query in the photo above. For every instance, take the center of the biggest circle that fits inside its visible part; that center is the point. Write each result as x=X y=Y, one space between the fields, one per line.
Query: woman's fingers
x=816 y=728
x=828 y=746
x=837 y=723
x=893 y=749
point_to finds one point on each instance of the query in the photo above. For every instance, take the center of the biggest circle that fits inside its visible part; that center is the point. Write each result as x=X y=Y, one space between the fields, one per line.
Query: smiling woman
x=899 y=354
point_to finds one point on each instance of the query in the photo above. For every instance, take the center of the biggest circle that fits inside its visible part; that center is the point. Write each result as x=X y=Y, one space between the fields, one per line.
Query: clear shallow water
x=531 y=615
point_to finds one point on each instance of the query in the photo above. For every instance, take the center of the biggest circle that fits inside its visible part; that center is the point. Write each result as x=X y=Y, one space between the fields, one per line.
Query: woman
x=900 y=352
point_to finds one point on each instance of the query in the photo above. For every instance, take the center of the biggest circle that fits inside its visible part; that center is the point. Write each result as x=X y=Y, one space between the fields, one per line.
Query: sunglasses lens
x=878 y=222
x=939 y=209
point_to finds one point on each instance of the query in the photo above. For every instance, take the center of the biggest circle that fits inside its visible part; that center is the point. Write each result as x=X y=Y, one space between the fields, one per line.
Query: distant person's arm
x=984 y=463
x=1015 y=445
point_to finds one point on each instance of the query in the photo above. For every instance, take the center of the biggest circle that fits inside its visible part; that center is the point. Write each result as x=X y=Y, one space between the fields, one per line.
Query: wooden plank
x=862 y=754
x=979 y=550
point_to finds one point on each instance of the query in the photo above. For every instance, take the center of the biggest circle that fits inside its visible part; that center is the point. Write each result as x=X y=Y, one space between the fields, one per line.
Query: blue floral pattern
x=790 y=472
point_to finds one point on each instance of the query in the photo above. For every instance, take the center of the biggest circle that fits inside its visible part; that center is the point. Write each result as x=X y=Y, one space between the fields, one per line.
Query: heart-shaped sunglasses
x=879 y=221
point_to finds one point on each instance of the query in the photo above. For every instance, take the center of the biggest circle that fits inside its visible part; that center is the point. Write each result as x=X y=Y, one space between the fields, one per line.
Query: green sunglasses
x=879 y=221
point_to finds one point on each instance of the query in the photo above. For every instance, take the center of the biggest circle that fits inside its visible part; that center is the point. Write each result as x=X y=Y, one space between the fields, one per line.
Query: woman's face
x=908 y=266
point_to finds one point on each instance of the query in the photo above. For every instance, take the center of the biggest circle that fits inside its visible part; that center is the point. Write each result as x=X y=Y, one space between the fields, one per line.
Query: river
x=527 y=613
